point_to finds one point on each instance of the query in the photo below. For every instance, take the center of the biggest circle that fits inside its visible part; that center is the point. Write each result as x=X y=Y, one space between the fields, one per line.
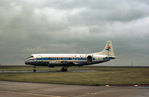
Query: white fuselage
x=65 y=59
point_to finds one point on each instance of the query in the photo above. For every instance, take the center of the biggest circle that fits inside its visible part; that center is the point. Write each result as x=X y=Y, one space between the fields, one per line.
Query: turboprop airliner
x=67 y=60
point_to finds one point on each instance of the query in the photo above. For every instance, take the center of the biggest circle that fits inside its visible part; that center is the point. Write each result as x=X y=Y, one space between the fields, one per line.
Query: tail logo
x=108 y=48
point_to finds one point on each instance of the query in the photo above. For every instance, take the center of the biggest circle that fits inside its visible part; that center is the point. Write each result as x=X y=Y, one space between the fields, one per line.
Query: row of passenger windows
x=60 y=58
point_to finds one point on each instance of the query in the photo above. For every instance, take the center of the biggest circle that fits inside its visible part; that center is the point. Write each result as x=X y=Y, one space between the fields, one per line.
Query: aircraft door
x=89 y=59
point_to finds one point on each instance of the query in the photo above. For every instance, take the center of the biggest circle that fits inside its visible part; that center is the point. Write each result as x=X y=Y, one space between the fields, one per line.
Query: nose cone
x=27 y=61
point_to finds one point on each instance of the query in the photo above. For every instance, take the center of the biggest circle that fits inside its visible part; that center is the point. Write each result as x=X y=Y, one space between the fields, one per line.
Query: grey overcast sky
x=74 y=26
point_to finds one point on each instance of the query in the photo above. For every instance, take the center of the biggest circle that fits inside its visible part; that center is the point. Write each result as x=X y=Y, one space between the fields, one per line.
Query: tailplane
x=108 y=50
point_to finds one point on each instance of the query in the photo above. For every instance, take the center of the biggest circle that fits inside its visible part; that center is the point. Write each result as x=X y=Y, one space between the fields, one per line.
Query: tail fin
x=108 y=50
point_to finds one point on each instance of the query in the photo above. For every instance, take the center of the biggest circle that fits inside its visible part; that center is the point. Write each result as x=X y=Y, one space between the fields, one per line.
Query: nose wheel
x=64 y=68
x=34 y=69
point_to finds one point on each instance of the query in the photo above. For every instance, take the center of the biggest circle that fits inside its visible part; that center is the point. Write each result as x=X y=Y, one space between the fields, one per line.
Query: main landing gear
x=64 y=68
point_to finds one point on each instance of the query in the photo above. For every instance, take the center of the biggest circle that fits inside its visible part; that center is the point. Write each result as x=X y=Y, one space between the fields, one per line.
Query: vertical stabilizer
x=108 y=50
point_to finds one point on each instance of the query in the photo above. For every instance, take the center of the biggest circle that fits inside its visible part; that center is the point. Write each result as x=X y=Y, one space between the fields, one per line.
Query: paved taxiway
x=48 y=71
x=21 y=89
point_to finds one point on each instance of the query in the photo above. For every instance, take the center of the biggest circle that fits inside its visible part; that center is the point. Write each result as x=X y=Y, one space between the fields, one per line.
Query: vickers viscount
x=67 y=60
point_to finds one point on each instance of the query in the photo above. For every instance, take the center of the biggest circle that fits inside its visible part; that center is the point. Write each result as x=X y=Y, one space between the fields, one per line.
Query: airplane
x=67 y=60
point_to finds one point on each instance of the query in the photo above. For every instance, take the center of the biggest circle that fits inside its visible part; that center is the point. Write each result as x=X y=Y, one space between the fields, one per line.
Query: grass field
x=101 y=75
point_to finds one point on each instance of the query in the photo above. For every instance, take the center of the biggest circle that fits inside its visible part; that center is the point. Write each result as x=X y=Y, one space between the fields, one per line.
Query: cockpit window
x=30 y=57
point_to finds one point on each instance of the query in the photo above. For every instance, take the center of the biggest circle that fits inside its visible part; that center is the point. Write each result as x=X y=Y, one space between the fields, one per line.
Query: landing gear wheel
x=64 y=69
x=34 y=70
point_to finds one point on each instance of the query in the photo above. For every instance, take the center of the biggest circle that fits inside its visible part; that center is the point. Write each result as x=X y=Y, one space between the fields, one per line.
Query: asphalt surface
x=21 y=89
x=48 y=71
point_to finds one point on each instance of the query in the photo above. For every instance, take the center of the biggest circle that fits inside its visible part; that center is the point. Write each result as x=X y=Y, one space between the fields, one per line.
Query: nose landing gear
x=34 y=69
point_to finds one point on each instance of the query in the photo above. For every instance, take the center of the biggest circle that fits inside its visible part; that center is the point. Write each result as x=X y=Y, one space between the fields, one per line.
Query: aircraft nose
x=27 y=61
